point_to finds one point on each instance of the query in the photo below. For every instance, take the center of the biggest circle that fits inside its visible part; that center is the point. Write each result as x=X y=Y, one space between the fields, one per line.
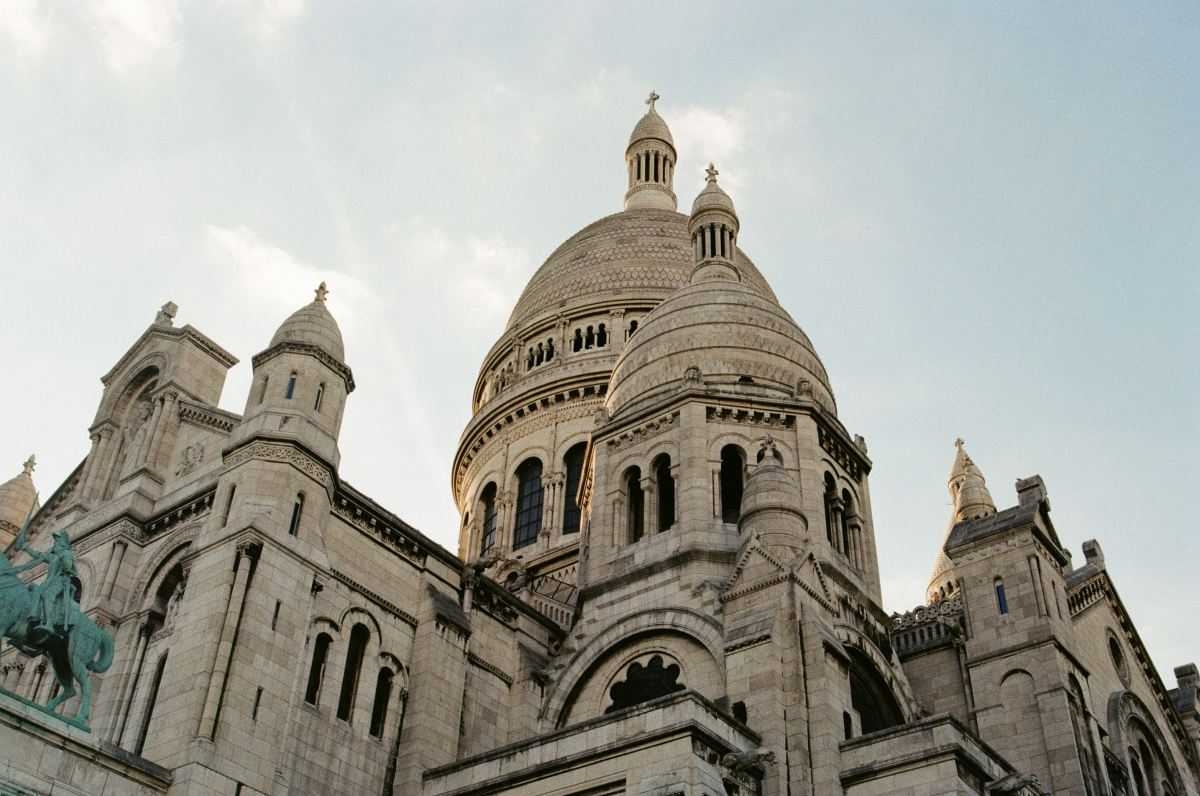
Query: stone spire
x=714 y=228
x=968 y=489
x=18 y=499
x=969 y=493
x=650 y=162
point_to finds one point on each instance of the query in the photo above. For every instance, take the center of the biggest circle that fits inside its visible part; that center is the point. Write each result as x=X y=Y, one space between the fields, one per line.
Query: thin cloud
x=135 y=33
x=267 y=20
x=27 y=25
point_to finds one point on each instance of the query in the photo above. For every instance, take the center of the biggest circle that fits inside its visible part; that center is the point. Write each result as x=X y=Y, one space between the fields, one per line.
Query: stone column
x=162 y=415
x=89 y=469
x=247 y=555
x=129 y=685
x=94 y=488
x=114 y=566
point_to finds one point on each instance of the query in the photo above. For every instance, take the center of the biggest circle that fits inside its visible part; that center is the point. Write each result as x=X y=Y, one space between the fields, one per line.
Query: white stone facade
x=667 y=580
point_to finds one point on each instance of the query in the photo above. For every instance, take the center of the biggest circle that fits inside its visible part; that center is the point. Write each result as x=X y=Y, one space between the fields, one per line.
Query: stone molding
x=205 y=416
x=390 y=607
x=394 y=537
x=284 y=453
x=307 y=349
x=644 y=431
x=846 y=455
x=490 y=668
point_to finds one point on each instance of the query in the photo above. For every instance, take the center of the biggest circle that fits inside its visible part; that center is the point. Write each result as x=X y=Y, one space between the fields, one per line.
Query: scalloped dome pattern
x=17 y=497
x=651 y=126
x=729 y=331
x=313 y=324
x=647 y=253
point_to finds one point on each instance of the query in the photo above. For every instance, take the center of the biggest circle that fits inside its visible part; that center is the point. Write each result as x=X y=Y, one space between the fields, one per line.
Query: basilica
x=667 y=581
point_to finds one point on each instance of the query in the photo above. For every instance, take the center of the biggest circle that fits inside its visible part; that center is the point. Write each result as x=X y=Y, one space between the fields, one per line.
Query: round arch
x=682 y=621
x=173 y=552
x=854 y=639
x=371 y=620
x=1127 y=714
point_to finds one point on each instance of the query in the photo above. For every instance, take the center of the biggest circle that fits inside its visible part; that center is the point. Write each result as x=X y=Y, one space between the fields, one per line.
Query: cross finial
x=959 y=442
x=652 y=99
x=321 y=292
x=712 y=173
x=30 y=463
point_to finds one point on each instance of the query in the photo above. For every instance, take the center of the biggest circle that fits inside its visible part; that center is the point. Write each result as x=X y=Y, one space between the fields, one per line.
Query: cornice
x=308 y=349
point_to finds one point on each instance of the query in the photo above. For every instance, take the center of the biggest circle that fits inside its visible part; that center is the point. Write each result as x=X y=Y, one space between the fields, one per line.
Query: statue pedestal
x=43 y=753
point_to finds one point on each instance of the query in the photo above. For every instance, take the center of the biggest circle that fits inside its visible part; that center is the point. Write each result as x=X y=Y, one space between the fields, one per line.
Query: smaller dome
x=651 y=126
x=713 y=197
x=770 y=486
x=313 y=324
x=18 y=496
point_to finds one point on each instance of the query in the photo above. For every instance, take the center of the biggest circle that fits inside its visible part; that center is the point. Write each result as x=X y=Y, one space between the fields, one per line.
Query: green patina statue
x=45 y=619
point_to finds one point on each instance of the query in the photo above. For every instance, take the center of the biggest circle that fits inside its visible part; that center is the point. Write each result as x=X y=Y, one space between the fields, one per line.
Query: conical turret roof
x=313 y=324
x=18 y=497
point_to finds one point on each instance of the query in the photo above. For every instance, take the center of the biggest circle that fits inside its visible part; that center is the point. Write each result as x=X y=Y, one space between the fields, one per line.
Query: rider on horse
x=52 y=597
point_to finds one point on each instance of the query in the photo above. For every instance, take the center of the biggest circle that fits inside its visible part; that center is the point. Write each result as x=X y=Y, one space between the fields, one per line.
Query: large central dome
x=642 y=253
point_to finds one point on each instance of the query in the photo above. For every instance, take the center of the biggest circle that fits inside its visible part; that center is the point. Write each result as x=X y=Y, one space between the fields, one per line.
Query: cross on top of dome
x=30 y=463
x=652 y=99
x=321 y=292
x=711 y=173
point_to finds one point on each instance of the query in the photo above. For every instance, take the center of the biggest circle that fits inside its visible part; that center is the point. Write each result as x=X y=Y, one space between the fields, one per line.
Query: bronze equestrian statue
x=45 y=619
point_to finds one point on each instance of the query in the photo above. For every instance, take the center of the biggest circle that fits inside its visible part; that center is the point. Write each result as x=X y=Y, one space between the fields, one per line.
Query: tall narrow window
x=488 y=499
x=847 y=511
x=291 y=386
x=723 y=240
x=549 y=349
x=639 y=167
x=637 y=504
x=383 y=694
x=656 y=167
x=664 y=488
x=577 y=342
x=316 y=672
x=297 y=514
x=151 y=698
x=228 y=505
x=275 y=616
x=601 y=336
x=354 y=658
x=529 y=503
x=830 y=497
x=1001 y=599
x=262 y=393
x=257 y=703
x=732 y=464
x=632 y=328
x=589 y=338
x=320 y=397
x=573 y=464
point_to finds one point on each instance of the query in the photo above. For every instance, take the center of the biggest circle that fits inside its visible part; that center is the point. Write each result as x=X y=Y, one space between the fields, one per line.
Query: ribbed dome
x=738 y=338
x=651 y=126
x=313 y=324
x=18 y=497
x=641 y=253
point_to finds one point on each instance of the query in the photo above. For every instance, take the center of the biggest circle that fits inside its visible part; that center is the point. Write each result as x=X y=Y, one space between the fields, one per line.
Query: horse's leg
x=66 y=690
x=79 y=670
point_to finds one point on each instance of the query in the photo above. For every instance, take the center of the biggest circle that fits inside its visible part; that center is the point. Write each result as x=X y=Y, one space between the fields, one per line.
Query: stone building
x=667 y=579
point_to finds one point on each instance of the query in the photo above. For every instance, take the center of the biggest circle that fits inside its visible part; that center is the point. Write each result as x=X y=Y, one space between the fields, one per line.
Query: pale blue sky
x=985 y=216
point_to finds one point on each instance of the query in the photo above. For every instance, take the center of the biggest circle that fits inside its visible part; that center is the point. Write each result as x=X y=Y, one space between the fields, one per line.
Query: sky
x=984 y=215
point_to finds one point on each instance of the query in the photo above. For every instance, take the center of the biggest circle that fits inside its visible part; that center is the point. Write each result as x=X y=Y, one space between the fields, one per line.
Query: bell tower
x=650 y=162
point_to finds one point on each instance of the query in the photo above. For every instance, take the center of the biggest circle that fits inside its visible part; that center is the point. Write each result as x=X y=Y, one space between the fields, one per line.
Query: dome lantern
x=714 y=228
x=650 y=162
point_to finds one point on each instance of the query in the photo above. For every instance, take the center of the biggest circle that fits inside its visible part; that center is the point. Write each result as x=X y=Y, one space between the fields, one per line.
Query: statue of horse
x=75 y=653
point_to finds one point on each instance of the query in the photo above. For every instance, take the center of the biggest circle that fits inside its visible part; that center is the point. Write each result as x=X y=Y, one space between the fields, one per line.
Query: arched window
x=291 y=386
x=297 y=514
x=1001 y=597
x=262 y=393
x=1083 y=737
x=573 y=464
x=589 y=338
x=644 y=682
x=228 y=504
x=383 y=694
x=664 y=488
x=488 y=499
x=636 y=518
x=601 y=336
x=549 y=349
x=870 y=696
x=320 y=397
x=577 y=343
x=151 y=699
x=830 y=497
x=529 y=503
x=632 y=328
x=359 y=637
x=529 y=360
x=316 y=671
x=732 y=463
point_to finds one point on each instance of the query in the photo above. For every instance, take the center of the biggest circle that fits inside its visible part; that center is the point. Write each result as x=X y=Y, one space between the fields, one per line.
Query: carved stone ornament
x=190 y=459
